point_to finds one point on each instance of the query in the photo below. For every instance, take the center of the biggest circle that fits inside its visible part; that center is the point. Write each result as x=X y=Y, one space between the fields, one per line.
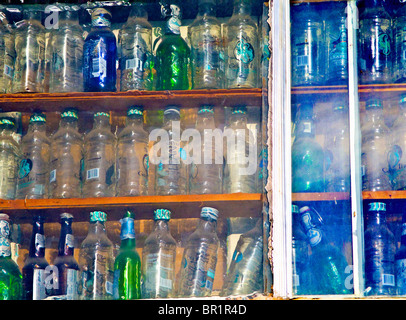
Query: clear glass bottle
x=66 y=158
x=242 y=47
x=6 y=68
x=100 y=159
x=399 y=37
x=135 y=51
x=132 y=155
x=96 y=261
x=206 y=171
x=158 y=259
x=10 y=155
x=33 y=173
x=10 y=55
x=379 y=253
x=66 y=43
x=29 y=67
x=374 y=149
x=207 y=52
x=400 y=262
x=200 y=257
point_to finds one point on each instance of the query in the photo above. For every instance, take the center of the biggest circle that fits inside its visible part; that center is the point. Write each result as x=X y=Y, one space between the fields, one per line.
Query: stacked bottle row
x=99 y=275
x=66 y=62
x=101 y=164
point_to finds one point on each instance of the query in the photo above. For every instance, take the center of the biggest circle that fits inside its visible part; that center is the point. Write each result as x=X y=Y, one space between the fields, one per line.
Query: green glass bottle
x=173 y=53
x=127 y=266
x=11 y=280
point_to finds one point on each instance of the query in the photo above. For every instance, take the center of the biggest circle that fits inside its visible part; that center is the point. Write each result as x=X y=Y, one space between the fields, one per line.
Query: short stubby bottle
x=158 y=259
x=173 y=53
x=127 y=265
x=207 y=51
x=132 y=155
x=10 y=156
x=200 y=257
x=399 y=36
x=29 y=67
x=135 y=51
x=170 y=168
x=375 y=50
x=375 y=149
x=65 y=262
x=379 y=253
x=400 y=262
x=33 y=172
x=66 y=158
x=240 y=172
x=66 y=43
x=11 y=280
x=99 y=159
x=206 y=168
x=242 y=47
x=96 y=261
x=100 y=54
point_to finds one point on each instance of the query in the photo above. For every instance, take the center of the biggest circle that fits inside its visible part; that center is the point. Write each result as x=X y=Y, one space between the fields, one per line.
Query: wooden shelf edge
x=384 y=195
x=320 y=196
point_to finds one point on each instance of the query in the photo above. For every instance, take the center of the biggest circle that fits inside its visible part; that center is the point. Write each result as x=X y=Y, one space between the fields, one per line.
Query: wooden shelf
x=384 y=195
x=320 y=196
x=320 y=90
x=182 y=206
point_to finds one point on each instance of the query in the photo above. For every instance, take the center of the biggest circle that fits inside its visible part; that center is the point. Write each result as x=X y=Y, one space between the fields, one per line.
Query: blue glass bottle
x=100 y=54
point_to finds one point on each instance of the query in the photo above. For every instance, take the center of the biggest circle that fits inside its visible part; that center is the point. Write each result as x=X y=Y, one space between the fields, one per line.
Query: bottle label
x=39 y=241
x=401 y=276
x=72 y=284
x=127 y=228
x=160 y=272
x=38 y=292
x=69 y=241
x=93 y=174
x=5 y=249
x=338 y=54
x=52 y=176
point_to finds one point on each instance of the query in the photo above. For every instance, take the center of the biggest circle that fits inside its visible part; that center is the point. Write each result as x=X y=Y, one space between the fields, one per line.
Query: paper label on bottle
x=69 y=241
x=99 y=67
x=38 y=286
x=52 y=176
x=93 y=174
x=401 y=276
x=5 y=249
x=39 y=241
x=72 y=284
x=388 y=280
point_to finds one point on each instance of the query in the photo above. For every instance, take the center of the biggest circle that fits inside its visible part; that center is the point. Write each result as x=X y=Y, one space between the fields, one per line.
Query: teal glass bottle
x=127 y=266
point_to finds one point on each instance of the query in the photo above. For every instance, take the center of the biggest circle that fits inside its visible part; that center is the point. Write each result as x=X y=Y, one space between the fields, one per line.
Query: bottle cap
x=70 y=113
x=38 y=117
x=295 y=208
x=162 y=214
x=66 y=215
x=99 y=114
x=101 y=18
x=377 y=206
x=135 y=110
x=239 y=109
x=7 y=121
x=402 y=100
x=172 y=109
x=98 y=216
x=373 y=103
x=207 y=108
x=210 y=213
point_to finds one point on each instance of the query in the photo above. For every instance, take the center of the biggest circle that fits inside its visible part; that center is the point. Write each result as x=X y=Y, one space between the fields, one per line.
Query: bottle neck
x=66 y=245
x=69 y=123
x=242 y=7
x=135 y=121
x=374 y=115
x=101 y=122
x=161 y=225
x=376 y=218
x=37 y=244
x=207 y=225
x=238 y=120
x=207 y=9
x=97 y=228
x=168 y=119
x=205 y=121
x=127 y=234
x=37 y=126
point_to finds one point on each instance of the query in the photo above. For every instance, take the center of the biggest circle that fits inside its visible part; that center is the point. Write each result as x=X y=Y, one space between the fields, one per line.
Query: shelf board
x=320 y=196
x=119 y=101
x=384 y=195
x=320 y=90
x=182 y=206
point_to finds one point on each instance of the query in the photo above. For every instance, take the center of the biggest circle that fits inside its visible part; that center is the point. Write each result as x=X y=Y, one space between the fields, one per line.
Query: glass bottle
x=29 y=67
x=242 y=47
x=399 y=36
x=375 y=44
x=241 y=158
x=307 y=154
x=244 y=275
x=207 y=52
x=6 y=67
x=66 y=72
x=35 y=264
x=173 y=54
x=127 y=265
x=135 y=51
x=99 y=159
x=307 y=46
x=170 y=172
x=375 y=148
x=158 y=259
x=66 y=158
x=206 y=169
x=10 y=156
x=400 y=262
x=65 y=262
x=132 y=155
x=96 y=261
x=9 y=55
x=200 y=257
x=33 y=173
x=11 y=280
x=379 y=252
x=100 y=54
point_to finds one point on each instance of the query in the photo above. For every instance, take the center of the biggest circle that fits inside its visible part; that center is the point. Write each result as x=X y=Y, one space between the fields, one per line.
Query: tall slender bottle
x=10 y=155
x=135 y=51
x=66 y=158
x=132 y=155
x=96 y=261
x=65 y=262
x=100 y=54
x=158 y=259
x=33 y=173
x=35 y=264
x=200 y=257
x=127 y=266
x=6 y=69
x=11 y=280
x=242 y=47
x=375 y=49
x=66 y=72
x=206 y=171
x=400 y=262
x=99 y=159
x=207 y=54
x=399 y=35
x=173 y=54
